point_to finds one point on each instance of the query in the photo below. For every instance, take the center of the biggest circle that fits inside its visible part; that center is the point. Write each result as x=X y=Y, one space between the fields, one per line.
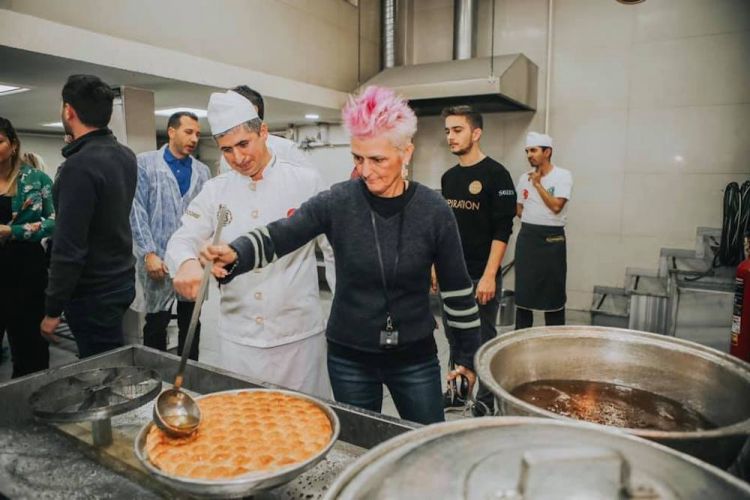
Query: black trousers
x=155 y=330
x=96 y=320
x=525 y=318
x=22 y=284
x=21 y=313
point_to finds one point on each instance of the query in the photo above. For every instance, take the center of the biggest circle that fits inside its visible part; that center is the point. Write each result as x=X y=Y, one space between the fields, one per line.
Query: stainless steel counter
x=41 y=462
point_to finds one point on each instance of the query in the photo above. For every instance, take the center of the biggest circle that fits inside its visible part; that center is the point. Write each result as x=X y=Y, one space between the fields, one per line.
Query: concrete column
x=134 y=125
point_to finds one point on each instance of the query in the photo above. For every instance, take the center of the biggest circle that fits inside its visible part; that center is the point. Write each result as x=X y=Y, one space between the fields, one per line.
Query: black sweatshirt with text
x=483 y=200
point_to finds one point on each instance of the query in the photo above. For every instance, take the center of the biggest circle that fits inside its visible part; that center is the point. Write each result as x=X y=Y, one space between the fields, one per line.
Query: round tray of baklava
x=249 y=440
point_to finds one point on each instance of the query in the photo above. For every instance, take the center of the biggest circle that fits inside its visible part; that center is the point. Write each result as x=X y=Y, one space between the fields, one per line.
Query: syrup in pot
x=612 y=404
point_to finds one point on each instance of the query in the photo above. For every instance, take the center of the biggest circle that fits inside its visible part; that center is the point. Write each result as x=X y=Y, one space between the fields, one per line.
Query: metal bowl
x=247 y=484
x=515 y=458
x=711 y=382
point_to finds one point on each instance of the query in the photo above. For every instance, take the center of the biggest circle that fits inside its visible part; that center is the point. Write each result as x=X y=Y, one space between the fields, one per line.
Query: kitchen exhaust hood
x=433 y=86
x=500 y=83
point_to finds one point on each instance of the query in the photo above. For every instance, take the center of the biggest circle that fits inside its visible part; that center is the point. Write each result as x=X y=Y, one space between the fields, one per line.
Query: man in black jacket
x=92 y=266
x=480 y=191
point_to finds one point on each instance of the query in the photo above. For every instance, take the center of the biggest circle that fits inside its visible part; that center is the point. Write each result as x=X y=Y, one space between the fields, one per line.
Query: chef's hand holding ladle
x=175 y=411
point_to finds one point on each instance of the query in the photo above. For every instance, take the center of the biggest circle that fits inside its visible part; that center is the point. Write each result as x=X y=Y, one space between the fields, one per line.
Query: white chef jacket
x=278 y=304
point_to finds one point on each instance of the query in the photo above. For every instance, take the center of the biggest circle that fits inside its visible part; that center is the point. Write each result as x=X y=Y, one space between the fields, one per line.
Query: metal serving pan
x=247 y=484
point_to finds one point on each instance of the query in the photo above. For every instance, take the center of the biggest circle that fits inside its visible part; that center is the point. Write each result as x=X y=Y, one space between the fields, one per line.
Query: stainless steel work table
x=43 y=461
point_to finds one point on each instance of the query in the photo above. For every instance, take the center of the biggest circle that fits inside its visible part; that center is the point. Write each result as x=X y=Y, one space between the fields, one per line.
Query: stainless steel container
x=248 y=484
x=507 y=313
x=521 y=458
x=713 y=383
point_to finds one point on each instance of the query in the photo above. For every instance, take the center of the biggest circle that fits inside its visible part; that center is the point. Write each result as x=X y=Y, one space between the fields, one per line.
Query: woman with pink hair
x=386 y=232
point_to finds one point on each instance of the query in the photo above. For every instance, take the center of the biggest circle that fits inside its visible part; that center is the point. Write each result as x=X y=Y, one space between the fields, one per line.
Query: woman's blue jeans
x=416 y=388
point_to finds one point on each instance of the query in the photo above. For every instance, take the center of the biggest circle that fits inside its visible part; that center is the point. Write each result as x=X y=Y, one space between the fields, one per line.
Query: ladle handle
x=187 y=347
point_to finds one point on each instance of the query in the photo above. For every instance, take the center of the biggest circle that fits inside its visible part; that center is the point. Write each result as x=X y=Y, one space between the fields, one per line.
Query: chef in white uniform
x=271 y=323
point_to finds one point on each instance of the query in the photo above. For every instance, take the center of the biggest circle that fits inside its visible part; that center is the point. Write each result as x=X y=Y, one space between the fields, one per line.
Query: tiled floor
x=65 y=352
x=59 y=355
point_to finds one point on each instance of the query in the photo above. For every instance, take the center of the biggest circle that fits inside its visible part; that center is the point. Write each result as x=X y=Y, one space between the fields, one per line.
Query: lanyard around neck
x=380 y=260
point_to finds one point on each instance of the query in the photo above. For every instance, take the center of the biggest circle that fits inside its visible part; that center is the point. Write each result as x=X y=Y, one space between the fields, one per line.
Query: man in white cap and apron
x=271 y=323
x=541 y=262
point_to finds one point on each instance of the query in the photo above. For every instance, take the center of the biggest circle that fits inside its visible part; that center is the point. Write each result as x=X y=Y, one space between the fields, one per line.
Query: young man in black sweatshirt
x=92 y=275
x=480 y=191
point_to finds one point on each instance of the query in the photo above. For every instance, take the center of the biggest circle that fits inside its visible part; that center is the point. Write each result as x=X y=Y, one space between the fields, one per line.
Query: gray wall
x=648 y=110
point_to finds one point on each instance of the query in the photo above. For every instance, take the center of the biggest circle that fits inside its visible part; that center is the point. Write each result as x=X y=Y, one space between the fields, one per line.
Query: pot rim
x=486 y=352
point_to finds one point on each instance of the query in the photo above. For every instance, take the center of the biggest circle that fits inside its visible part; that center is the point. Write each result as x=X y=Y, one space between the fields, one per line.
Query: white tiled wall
x=648 y=110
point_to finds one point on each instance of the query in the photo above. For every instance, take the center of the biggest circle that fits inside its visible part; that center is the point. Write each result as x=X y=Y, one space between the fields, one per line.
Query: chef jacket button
x=259 y=320
x=258 y=295
x=257 y=271
x=254 y=214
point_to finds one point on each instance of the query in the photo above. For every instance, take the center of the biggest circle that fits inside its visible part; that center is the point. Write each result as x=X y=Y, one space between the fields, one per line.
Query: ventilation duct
x=502 y=83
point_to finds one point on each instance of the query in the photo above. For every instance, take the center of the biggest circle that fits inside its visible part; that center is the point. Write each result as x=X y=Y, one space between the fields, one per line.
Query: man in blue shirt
x=168 y=180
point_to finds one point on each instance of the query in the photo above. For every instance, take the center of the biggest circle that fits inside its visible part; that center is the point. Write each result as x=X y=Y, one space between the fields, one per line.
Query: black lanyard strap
x=380 y=260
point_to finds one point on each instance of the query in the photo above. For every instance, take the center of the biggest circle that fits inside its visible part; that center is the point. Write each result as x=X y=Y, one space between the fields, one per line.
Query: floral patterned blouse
x=33 y=213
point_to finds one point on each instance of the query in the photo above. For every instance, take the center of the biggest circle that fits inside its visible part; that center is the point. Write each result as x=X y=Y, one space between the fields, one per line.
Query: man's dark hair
x=253 y=96
x=91 y=98
x=174 y=120
x=473 y=117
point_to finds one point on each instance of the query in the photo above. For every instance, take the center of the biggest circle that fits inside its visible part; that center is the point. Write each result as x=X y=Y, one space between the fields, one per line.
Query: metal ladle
x=175 y=411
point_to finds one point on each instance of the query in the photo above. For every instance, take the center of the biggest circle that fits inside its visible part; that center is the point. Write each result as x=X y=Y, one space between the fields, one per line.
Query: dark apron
x=541 y=267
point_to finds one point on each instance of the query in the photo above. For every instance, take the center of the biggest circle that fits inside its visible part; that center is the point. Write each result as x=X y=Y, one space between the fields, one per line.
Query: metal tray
x=247 y=484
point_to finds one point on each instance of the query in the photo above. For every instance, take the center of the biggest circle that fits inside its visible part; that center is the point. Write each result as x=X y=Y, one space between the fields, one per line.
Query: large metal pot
x=521 y=458
x=713 y=383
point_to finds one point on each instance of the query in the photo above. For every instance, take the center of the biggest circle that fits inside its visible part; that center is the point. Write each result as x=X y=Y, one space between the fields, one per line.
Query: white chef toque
x=536 y=139
x=228 y=109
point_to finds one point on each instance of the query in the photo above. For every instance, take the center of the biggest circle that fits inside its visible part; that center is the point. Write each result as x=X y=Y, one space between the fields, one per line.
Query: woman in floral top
x=26 y=217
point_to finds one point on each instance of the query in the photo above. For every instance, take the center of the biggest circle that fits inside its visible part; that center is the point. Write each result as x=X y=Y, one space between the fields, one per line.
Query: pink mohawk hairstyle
x=378 y=110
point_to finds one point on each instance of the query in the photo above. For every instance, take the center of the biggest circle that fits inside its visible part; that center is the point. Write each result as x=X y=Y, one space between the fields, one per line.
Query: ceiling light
x=53 y=125
x=200 y=113
x=11 y=89
x=312 y=116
